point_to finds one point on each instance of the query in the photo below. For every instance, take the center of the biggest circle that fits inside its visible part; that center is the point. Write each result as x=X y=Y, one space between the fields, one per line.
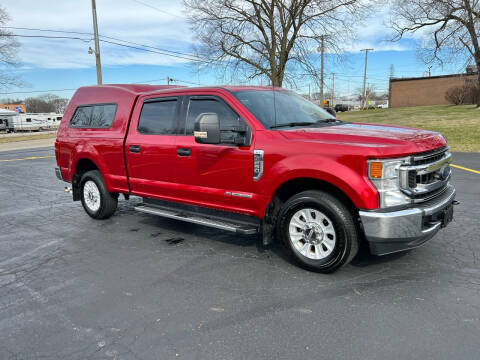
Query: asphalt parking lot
x=141 y=287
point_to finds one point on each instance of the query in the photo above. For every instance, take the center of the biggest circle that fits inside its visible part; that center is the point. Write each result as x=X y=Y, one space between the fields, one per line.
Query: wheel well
x=84 y=165
x=290 y=188
x=295 y=186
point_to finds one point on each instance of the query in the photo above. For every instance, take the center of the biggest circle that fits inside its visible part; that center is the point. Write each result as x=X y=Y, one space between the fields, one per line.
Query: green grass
x=8 y=139
x=459 y=124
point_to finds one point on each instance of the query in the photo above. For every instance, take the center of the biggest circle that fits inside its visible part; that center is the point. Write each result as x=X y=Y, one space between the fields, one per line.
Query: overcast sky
x=57 y=64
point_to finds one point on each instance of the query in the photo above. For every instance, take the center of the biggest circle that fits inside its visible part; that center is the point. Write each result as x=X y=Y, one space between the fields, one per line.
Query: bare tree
x=57 y=103
x=46 y=103
x=267 y=37
x=453 y=27
x=8 y=52
x=38 y=105
x=370 y=91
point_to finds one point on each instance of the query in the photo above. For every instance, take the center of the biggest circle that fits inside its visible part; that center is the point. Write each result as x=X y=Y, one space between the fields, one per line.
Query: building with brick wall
x=425 y=91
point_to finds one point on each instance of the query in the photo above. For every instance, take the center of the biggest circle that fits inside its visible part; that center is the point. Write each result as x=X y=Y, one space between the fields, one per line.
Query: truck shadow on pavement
x=177 y=233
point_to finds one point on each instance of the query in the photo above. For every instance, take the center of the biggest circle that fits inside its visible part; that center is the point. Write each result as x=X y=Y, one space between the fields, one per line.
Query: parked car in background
x=341 y=107
x=256 y=160
x=383 y=106
x=331 y=111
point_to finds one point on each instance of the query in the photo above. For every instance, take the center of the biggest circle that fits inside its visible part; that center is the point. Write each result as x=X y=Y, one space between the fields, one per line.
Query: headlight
x=384 y=175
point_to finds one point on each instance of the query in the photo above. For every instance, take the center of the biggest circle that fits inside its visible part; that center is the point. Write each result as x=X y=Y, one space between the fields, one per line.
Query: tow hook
x=68 y=189
x=455 y=202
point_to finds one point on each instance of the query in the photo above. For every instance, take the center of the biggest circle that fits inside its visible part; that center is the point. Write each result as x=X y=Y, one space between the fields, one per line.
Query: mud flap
x=76 y=191
x=269 y=221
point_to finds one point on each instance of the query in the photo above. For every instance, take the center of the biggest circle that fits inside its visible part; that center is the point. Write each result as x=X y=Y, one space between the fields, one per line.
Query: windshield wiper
x=303 y=123
x=327 y=120
x=291 y=124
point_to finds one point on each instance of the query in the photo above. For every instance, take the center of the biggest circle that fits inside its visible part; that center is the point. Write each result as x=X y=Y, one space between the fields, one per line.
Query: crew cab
x=257 y=160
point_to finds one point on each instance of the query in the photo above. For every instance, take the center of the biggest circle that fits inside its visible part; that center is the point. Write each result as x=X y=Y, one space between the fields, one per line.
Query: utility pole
x=365 y=77
x=348 y=91
x=333 y=90
x=321 y=49
x=97 y=44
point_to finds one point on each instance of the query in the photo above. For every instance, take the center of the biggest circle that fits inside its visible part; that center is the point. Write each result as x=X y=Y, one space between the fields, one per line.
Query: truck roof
x=134 y=89
x=138 y=89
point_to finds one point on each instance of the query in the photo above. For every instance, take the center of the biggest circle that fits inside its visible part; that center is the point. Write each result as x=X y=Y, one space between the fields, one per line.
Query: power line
x=155 y=8
x=101 y=36
x=54 y=90
x=46 y=30
x=35 y=91
x=135 y=82
x=153 y=51
x=48 y=37
x=114 y=43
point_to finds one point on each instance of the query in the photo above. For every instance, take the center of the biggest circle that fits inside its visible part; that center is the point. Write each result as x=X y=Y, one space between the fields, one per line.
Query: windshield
x=291 y=109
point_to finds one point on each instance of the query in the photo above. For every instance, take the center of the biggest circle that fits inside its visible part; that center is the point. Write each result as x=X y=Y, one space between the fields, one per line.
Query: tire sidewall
x=93 y=176
x=334 y=259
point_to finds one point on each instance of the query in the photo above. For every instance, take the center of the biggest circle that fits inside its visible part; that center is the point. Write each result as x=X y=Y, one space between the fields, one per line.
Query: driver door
x=218 y=176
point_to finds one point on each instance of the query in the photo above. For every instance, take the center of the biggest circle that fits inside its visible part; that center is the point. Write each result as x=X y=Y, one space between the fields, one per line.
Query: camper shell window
x=94 y=116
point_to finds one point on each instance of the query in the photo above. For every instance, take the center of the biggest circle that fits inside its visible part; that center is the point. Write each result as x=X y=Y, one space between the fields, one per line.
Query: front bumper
x=389 y=232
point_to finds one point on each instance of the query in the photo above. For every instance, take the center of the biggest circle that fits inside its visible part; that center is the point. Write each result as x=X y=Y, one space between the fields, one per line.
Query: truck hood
x=385 y=139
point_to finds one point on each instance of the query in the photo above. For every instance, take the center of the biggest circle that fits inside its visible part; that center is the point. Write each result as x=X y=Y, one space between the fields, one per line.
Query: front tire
x=96 y=200
x=318 y=230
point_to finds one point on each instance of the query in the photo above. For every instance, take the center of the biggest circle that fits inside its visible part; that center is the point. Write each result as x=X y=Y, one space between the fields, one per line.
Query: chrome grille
x=426 y=175
x=429 y=156
x=425 y=178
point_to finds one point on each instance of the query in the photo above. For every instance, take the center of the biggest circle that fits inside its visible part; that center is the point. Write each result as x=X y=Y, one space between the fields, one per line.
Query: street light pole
x=321 y=49
x=365 y=77
x=97 y=44
x=333 y=90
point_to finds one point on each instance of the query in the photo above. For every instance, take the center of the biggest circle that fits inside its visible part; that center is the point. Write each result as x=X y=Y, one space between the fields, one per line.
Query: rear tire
x=96 y=200
x=318 y=230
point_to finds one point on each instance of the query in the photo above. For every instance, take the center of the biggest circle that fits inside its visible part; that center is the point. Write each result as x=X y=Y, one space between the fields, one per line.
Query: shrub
x=456 y=95
x=465 y=94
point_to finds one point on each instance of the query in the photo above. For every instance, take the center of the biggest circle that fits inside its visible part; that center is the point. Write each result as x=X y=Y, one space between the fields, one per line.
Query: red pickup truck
x=257 y=160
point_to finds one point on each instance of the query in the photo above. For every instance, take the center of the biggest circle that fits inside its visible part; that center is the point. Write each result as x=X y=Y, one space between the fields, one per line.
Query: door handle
x=184 y=152
x=134 y=148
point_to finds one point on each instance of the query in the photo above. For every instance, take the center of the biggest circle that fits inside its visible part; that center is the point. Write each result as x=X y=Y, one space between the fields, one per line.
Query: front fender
x=346 y=173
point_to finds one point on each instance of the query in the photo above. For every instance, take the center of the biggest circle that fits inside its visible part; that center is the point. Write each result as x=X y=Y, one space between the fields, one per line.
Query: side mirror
x=207 y=129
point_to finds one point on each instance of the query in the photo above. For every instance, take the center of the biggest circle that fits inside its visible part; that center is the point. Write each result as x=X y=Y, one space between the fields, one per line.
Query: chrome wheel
x=312 y=233
x=91 y=195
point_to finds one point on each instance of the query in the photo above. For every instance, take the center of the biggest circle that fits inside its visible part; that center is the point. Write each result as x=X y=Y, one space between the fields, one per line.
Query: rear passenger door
x=150 y=147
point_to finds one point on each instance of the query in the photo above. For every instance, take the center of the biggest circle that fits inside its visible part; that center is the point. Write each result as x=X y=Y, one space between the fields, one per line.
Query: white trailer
x=6 y=114
x=33 y=122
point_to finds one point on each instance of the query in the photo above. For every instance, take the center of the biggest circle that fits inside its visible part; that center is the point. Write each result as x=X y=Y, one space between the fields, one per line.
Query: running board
x=198 y=219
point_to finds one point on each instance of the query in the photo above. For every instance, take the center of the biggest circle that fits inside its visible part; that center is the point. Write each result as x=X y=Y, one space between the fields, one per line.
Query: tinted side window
x=158 y=117
x=227 y=117
x=103 y=115
x=94 y=116
x=82 y=116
